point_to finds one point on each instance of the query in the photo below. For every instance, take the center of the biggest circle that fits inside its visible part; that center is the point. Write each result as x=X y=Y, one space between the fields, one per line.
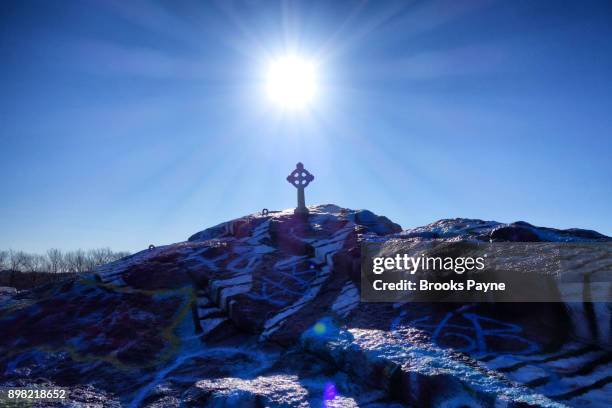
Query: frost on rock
x=279 y=391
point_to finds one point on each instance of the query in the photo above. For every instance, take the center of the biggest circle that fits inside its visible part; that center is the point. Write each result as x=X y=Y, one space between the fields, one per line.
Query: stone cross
x=300 y=178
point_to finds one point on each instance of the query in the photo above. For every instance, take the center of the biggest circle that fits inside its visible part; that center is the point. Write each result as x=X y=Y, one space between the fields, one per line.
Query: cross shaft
x=300 y=178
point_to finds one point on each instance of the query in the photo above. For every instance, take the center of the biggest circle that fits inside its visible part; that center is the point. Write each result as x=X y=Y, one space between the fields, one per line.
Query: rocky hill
x=264 y=310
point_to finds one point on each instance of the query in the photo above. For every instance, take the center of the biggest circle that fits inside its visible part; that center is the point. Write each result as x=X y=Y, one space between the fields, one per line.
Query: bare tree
x=56 y=261
x=38 y=263
x=4 y=255
x=118 y=255
x=27 y=263
x=99 y=257
x=18 y=260
x=77 y=261
x=55 y=258
x=69 y=259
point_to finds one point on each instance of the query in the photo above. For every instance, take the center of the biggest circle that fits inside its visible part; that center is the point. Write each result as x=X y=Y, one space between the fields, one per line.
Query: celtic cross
x=300 y=178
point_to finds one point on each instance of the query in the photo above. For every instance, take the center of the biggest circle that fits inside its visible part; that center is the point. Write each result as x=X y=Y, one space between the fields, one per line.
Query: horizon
x=124 y=125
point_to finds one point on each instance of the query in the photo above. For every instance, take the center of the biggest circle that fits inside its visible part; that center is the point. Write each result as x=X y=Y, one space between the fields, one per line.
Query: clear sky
x=126 y=123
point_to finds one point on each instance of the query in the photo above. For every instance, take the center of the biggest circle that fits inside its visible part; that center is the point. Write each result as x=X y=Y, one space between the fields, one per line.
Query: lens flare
x=329 y=392
x=320 y=328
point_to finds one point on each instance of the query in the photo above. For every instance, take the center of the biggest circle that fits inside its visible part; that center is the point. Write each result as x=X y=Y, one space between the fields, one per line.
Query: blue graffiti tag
x=474 y=334
x=285 y=286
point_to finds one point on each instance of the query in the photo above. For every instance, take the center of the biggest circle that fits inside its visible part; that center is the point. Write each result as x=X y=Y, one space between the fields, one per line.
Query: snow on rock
x=265 y=310
x=519 y=231
x=278 y=390
x=347 y=300
x=416 y=371
x=7 y=293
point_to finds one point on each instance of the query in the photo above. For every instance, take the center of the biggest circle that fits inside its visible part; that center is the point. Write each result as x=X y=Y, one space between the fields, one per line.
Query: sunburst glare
x=291 y=82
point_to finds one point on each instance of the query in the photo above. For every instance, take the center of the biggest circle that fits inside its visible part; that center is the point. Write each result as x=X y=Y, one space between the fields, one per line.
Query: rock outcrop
x=265 y=310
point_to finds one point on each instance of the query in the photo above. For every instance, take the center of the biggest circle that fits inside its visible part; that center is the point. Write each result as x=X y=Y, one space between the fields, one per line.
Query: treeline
x=57 y=261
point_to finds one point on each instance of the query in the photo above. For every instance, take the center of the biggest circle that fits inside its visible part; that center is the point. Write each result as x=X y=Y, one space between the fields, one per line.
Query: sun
x=291 y=82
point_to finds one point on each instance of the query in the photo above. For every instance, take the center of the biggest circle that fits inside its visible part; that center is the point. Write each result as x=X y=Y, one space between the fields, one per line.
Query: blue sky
x=126 y=124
